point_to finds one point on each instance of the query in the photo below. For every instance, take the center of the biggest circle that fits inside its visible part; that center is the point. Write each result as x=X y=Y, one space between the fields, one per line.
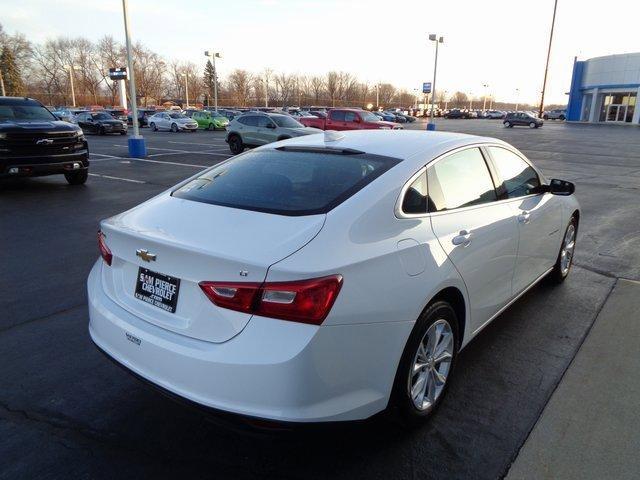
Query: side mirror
x=271 y=125
x=357 y=120
x=561 y=187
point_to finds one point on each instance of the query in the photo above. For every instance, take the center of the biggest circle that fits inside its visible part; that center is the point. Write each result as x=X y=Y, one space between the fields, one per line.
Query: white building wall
x=621 y=69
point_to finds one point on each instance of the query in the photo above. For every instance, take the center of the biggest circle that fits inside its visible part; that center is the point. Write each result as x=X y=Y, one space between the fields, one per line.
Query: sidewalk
x=590 y=429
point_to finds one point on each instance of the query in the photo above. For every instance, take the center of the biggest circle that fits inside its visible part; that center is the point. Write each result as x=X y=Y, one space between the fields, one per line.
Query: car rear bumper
x=273 y=369
x=37 y=166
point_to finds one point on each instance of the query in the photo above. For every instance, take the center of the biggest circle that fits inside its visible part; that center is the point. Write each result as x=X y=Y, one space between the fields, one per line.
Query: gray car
x=257 y=128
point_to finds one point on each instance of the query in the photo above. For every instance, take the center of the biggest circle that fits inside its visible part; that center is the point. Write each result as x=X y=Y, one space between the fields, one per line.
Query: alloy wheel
x=568 y=247
x=431 y=365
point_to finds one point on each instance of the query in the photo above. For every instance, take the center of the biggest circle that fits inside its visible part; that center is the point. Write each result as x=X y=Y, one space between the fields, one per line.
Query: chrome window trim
x=482 y=146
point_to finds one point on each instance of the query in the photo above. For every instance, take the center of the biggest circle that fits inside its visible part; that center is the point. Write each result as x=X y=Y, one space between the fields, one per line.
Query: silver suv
x=256 y=128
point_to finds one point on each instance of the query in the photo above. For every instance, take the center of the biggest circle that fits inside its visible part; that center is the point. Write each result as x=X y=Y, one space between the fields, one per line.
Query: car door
x=352 y=121
x=248 y=129
x=538 y=215
x=266 y=131
x=478 y=233
x=336 y=120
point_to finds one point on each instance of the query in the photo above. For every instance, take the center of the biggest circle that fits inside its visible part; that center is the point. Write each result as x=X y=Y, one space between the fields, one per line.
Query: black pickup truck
x=34 y=142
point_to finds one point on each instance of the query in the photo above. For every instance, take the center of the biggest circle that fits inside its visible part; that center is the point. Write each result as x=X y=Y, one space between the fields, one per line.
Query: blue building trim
x=612 y=85
x=574 y=107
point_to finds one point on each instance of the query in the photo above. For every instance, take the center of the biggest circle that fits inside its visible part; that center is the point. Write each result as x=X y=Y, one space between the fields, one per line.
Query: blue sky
x=502 y=43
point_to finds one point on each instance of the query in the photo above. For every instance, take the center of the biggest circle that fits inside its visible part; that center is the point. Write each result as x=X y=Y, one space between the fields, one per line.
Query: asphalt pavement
x=66 y=412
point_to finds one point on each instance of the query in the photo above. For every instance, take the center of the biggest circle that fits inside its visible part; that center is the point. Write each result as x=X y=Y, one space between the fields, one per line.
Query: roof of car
x=404 y=144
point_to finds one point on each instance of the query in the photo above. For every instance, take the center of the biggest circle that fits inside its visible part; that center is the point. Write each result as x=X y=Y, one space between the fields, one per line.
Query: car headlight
x=3 y=136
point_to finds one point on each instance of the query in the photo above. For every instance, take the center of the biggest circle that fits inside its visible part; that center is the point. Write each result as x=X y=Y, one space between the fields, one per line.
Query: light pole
x=71 y=68
x=137 y=148
x=186 y=86
x=546 y=68
x=432 y=118
x=517 y=95
x=484 y=101
x=446 y=99
x=416 y=98
x=470 y=101
x=213 y=55
x=2 y=90
x=377 y=96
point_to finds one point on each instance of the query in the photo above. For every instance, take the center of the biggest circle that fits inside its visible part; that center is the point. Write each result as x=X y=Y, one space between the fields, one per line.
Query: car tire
x=77 y=178
x=211 y=127
x=437 y=321
x=546 y=117
x=174 y=128
x=533 y=125
x=101 y=131
x=508 y=124
x=561 y=117
x=564 y=261
x=235 y=144
x=123 y=133
x=153 y=127
x=283 y=138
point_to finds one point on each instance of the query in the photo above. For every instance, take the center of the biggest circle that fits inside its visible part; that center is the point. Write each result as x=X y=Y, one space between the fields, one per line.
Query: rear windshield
x=29 y=112
x=286 y=182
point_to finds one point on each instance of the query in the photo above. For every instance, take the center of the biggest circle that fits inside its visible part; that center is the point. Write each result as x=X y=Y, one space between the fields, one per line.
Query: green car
x=210 y=120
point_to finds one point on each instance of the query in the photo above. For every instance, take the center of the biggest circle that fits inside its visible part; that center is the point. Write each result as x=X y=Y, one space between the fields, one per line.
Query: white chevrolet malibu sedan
x=330 y=276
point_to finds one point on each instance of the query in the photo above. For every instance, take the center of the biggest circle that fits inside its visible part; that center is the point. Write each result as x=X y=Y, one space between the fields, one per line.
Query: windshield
x=177 y=115
x=25 y=112
x=286 y=183
x=369 y=117
x=284 y=121
x=101 y=116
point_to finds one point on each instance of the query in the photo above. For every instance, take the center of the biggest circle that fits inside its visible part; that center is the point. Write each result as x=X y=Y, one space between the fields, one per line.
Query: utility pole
x=137 y=148
x=517 y=98
x=186 y=86
x=432 y=117
x=2 y=90
x=71 y=68
x=546 y=68
x=377 y=95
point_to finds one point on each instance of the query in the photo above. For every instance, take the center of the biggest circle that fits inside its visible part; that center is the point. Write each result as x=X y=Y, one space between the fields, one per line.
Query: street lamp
x=432 y=118
x=377 y=96
x=186 y=86
x=446 y=99
x=71 y=68
x=517 y=95
x=470 y=101
x=137 y=148
x=484 y=101
x=213 y=55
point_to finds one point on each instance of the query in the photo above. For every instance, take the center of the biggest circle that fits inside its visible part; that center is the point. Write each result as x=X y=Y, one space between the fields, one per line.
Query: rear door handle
x=524 y=217
x=463 y=238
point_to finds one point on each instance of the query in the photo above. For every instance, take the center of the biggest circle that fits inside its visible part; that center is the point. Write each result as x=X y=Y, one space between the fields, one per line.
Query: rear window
x=286 y=182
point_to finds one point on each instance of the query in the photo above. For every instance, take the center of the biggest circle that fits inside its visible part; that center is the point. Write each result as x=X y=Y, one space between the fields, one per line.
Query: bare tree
x=386 y=92
x=109 y=54
x=286 y=87
x=149 y=70
x=239 y=86
x=459 y=100
x=317 y=85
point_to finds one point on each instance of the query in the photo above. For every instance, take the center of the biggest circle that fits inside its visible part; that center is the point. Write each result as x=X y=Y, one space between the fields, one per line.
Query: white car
x=174 y=121
x=327 y=277
x=495 y=114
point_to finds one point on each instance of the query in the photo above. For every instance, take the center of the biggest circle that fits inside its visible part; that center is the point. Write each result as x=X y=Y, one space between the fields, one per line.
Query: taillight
x=306 y=301
x=106 y=254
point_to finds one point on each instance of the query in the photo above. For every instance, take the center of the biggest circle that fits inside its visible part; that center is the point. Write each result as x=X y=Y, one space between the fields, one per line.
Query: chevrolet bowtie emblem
x=44 y=141
x=145 y=255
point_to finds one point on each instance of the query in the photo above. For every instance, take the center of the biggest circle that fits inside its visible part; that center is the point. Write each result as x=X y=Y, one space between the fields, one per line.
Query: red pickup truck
x=349 y=119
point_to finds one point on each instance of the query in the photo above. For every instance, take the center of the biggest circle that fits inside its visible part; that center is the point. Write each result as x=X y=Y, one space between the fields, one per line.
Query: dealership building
x=606 y=90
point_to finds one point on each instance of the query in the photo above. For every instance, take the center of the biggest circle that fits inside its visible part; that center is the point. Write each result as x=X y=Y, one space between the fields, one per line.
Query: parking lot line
x=200 y=144
x=116 y=178
x=169 y=163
